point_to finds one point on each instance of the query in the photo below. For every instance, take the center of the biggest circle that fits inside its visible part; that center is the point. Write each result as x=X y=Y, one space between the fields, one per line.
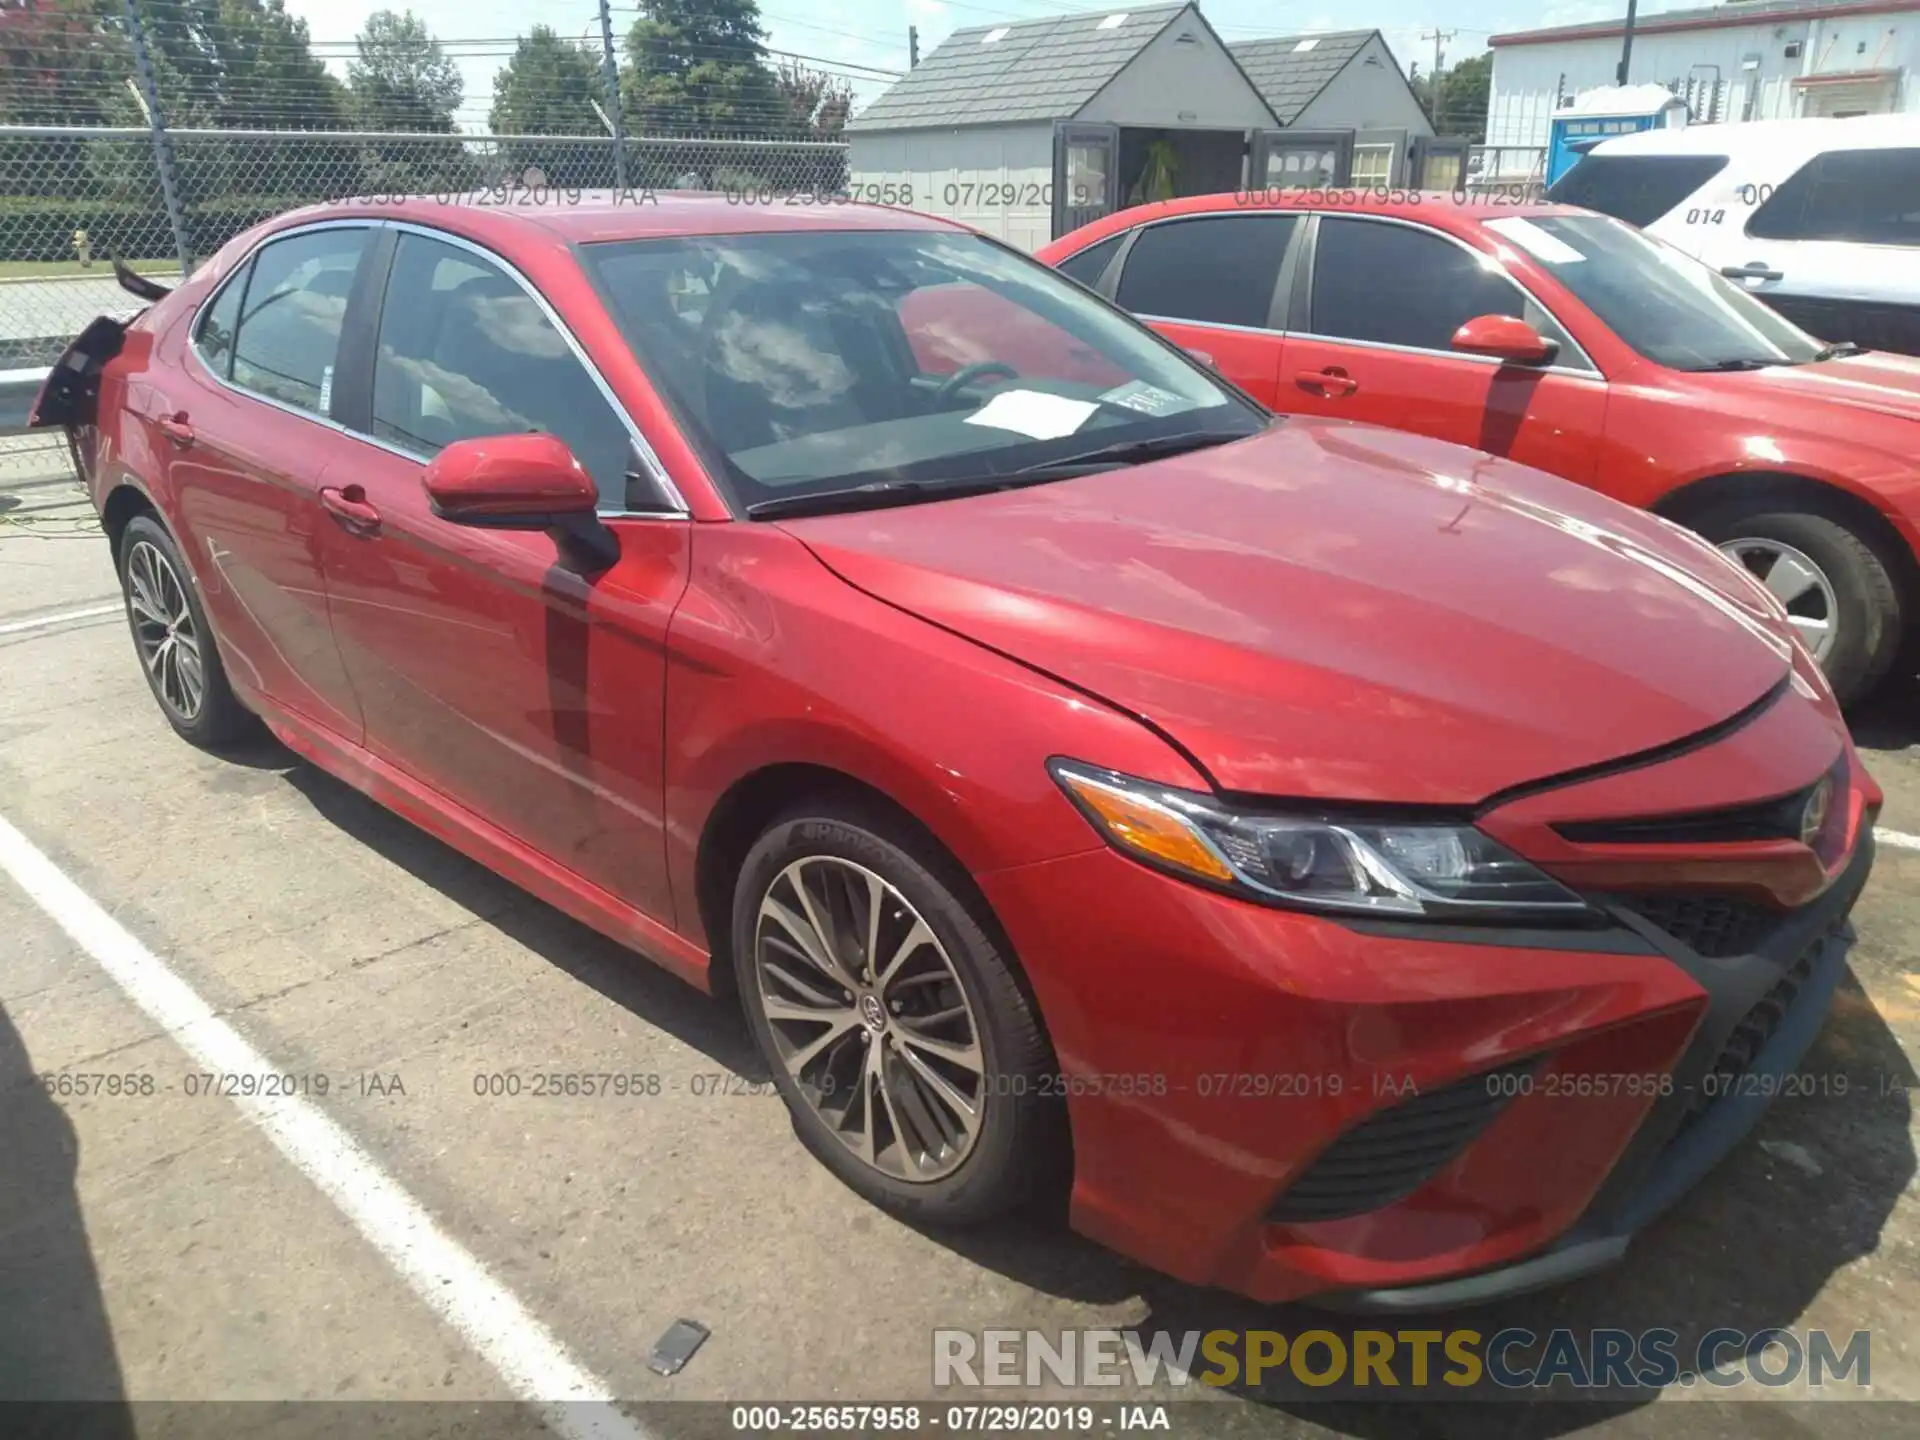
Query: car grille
x=1392 y=1153
x=1778 y=818
x=1751 y=1035
x=1711 y=925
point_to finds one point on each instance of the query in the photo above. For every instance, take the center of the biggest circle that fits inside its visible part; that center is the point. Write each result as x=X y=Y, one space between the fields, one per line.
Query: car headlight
x=1397 y=869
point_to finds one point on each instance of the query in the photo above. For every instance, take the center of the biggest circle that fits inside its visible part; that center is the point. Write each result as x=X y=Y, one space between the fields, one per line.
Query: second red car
x=1570 y=342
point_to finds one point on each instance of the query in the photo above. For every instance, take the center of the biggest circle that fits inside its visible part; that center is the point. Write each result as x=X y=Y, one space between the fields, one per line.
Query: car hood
x=1878 y=382
x=1340 y=611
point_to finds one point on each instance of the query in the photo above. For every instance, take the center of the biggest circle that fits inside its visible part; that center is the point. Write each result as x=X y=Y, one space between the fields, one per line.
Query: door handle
x=1752 y=270
x=1332 y=382
x=348 y=504
x=176 y=429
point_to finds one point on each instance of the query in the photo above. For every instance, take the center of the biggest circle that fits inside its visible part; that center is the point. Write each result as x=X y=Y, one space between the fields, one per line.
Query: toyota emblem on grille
x=1813 y=819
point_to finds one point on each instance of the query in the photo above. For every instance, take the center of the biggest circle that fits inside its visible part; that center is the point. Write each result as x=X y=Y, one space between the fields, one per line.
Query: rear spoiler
x=140 y=285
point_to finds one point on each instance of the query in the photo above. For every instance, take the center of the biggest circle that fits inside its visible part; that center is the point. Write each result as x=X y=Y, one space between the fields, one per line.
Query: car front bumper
x=1213 y=1052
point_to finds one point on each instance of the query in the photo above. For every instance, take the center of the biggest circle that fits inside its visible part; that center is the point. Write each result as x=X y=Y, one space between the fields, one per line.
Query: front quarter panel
x=1664 y=436
x=775 y=660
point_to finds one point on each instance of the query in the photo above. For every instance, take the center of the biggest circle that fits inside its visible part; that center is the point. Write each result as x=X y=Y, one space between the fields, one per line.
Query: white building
x=1028 y=130
x=1743 y=60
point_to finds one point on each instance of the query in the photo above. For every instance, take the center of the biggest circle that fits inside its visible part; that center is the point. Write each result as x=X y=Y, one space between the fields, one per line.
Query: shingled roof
x=1290 y=70
x=1033 y=70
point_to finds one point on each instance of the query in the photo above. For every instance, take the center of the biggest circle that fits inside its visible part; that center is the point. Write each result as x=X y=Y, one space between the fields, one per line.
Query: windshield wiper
x=879 y=493
x=1837 y=350
x=1744 y=362
x=1129 y=452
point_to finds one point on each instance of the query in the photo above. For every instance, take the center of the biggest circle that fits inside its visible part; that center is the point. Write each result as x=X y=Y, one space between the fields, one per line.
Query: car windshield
x=807 y=362
x=1662 y=302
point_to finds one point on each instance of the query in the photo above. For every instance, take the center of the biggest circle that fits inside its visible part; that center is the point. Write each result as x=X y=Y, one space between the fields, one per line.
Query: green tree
x=550 y=87
x=268 y=77
x=1461 y=105
x=60 y=62
x=816 y=104
x=699 y=65
x=402 y=79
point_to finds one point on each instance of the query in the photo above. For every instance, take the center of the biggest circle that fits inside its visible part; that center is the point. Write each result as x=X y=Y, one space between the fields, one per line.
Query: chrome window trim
x=1493 y=360
x=1587 y=368
x=657 y=472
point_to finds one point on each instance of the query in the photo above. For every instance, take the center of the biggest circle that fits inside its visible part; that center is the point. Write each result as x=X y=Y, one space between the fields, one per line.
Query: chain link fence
x=72 y=199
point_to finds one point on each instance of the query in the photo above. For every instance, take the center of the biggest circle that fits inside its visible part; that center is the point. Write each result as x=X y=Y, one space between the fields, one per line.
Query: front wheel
x=910 y=1058
x=1837 y=589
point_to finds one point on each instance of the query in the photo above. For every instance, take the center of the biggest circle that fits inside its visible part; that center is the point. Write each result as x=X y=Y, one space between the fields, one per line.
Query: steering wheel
x=967 y=374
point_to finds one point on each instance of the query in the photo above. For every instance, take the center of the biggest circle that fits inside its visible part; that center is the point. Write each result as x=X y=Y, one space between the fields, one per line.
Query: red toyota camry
x=1567 y=341
x=1356 y=866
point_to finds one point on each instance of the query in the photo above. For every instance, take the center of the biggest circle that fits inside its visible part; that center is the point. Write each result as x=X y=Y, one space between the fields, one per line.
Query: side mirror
x=1202 y=356
x=1506 y=338
x=522 y=482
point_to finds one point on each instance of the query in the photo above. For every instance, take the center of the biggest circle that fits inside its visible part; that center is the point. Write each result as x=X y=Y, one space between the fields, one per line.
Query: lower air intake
x=1392 y=1153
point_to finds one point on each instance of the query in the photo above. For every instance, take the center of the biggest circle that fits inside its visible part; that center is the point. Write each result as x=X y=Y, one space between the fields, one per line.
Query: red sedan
x=1351 y=864
x=1566 y=341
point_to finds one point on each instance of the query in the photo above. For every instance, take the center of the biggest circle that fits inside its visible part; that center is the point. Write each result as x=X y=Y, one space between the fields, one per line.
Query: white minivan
x=1819 y=218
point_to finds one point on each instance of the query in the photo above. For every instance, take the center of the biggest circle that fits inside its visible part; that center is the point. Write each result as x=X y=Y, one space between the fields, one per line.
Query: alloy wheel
x=164 y=632
x=870 y=1018
x=1799 y=584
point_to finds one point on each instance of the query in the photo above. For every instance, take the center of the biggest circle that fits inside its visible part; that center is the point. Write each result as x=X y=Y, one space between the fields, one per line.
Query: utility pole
x=913 y=47
x=1438 y=37
x=1626 y=47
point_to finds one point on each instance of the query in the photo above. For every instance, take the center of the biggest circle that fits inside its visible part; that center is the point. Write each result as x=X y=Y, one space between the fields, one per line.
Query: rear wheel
x=910 y=1058
x=173 y=640
x=1837 y=588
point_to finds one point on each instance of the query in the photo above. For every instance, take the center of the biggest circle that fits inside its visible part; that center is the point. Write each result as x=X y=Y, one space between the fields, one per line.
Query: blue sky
x=873 y=33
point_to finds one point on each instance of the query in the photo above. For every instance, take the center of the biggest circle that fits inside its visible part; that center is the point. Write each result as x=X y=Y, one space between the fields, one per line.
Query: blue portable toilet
x=1601 y=114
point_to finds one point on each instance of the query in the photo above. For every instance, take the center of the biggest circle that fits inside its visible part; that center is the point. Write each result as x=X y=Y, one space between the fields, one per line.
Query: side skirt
x=484 y=842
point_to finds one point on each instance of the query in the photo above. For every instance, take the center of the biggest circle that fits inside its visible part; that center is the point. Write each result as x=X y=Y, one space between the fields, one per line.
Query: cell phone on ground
x=673 y=1349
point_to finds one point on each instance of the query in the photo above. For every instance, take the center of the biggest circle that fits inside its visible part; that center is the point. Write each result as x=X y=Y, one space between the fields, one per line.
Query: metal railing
x=1489 y=165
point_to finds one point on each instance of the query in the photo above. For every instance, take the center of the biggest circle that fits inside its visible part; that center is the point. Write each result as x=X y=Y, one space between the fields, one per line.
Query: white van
x=1819 y=218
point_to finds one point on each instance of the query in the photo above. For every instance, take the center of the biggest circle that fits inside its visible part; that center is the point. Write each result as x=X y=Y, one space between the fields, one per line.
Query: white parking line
x=453 y=1284
x=1899 y=839
x=40 y=622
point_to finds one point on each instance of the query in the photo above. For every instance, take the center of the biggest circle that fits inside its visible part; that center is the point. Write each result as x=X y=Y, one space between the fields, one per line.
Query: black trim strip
x=1641 y=759
x=359 y=334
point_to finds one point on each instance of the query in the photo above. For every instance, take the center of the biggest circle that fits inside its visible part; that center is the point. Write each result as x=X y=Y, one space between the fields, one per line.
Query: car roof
x=1443 y=209
x=585 y=217
x=1864 y=132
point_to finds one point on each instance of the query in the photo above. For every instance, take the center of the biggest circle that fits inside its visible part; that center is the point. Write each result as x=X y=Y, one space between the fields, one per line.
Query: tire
x=1868 y=621
x=1018 y=1151
x=170 y=632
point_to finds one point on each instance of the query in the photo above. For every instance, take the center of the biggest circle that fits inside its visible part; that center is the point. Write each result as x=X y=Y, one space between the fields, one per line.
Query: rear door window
x=287 y=332
x=1214 y=270
x=1638 y=189
x=1868 y=197
x=213 y=335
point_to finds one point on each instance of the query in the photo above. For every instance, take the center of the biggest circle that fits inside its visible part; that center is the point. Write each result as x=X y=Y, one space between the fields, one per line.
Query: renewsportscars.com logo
x=1378 y=1362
